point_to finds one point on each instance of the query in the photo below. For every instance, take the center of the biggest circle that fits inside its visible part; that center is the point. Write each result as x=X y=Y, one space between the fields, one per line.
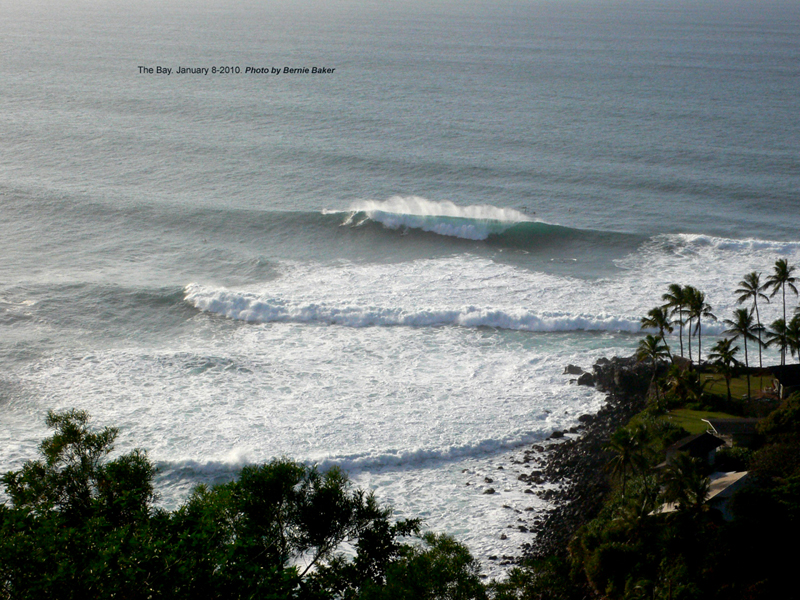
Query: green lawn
x=717 y=387
x=690 y=420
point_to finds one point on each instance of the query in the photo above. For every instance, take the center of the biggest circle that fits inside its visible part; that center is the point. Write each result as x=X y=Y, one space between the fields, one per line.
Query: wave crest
x=391 y=458
x=475 y=222
x=257 y=308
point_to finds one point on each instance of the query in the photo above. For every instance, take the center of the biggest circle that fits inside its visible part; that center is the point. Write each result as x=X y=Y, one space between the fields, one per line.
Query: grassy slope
x=691 y=421
x=716 y=385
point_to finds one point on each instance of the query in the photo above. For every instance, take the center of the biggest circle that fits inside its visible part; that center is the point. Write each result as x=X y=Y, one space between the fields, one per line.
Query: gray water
x=385 y=267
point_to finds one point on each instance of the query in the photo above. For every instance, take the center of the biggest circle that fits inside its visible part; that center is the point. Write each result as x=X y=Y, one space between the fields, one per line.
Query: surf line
x=191 y=71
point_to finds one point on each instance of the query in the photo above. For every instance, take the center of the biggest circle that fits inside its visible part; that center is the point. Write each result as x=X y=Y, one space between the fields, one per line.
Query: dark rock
x=488 y=480
x=573 y=370
x=586 y=379
x=556 y=435
x=503 y=536
x=489 y=491
x=577 y=465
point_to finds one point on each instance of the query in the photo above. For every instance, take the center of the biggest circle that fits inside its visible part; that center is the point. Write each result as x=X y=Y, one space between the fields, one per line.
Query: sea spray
x=443 y=217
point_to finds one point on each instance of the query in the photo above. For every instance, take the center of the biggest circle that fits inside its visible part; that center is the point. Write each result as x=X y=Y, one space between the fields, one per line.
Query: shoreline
x=541 y=493
x=573 y=469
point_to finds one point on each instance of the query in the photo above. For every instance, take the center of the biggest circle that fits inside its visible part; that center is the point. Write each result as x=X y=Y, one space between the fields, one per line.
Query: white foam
x=262 y=308
x=467 y=291
x=748 y=245
x=349 y=364
x=475 y=222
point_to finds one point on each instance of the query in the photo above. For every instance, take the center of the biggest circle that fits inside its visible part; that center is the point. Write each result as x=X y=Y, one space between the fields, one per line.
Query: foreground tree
x=79 y=525
x=439 y=569
x=74 y=479
x=82 y=526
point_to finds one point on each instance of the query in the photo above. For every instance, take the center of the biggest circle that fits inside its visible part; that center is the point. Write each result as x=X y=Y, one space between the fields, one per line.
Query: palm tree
x=793 y=336
x=658 y=318
x=629 y=445
x=675 y=300
x=698 y=308
x=780 y=278
x=777 y=336
x=724 y=358
x=751 y=287
x=685 y=484
x=742 y=326
x=651 y=348
x=685 y=383
x=689 y=292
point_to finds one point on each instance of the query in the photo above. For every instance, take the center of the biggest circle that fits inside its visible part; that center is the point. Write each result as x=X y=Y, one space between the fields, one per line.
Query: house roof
x=723 y=486
x=732 y=426
x=700 y=443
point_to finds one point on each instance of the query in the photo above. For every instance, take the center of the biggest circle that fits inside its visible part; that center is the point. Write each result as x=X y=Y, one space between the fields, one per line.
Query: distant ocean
x=388 y=266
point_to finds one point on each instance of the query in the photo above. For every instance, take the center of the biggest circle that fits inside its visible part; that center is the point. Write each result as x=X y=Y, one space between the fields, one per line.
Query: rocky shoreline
x=574 y=467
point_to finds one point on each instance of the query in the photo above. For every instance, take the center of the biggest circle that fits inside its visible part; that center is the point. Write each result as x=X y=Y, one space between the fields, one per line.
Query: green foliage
x=82 y=526
x=732 y=459
x=72 y=479
x=783 y=421
x=630 y=451
x=686 y=483
x=553 y=578
x=441 y=569
x=685 y=384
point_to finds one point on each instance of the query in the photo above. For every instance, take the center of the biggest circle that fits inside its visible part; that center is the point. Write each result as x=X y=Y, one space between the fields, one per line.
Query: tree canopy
x=80 y=525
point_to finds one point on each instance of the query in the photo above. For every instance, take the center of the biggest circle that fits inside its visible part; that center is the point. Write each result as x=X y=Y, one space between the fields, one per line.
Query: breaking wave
x=443 y=218
x=259 y=308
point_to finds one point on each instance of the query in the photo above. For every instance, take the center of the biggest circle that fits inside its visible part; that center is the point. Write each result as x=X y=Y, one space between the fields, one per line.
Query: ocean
x=384 y=266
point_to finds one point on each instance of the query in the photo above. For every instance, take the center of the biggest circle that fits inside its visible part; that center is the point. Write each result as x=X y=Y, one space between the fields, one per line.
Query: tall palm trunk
x=747 y=366
x=783 y=345
x=760 y=343
x=669 y=352
x=699 y=342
